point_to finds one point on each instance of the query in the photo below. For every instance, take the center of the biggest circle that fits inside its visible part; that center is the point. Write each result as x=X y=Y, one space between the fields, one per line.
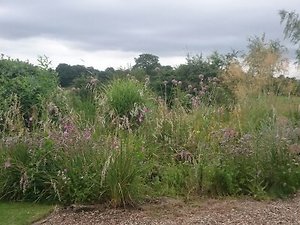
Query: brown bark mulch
x=172 y=211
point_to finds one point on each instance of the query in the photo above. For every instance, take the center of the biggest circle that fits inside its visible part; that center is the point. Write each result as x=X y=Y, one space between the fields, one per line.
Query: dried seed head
x=7 y=163
x=184 y=156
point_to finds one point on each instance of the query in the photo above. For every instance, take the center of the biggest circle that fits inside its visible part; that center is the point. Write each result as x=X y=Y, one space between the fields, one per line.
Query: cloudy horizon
x=112 y=33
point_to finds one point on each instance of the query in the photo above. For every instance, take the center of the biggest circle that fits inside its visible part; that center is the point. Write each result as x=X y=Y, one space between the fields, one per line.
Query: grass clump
x=122 y=180
x=124 y=96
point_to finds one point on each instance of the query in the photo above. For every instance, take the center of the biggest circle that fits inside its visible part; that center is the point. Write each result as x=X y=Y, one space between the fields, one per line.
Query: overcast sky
x=102 y=33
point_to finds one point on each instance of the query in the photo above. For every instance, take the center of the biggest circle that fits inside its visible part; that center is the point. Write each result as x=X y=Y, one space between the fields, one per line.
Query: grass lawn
x=22 y=213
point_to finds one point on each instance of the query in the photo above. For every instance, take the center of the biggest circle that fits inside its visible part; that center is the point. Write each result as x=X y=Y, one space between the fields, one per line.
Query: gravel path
x=170 y=211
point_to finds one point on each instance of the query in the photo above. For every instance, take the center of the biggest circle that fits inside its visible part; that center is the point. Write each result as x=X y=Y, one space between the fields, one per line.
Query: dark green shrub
x=32 y=85
x=219 y=95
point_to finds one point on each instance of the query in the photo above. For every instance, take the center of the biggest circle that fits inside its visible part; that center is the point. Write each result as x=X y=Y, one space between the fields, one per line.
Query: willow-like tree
x=291 y=23
x=265 y=58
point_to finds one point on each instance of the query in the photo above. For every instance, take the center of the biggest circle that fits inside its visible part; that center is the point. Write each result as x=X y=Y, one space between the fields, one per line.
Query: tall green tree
x=209 y=67
x=148 y=62
x=291 y=23
x=68 y=74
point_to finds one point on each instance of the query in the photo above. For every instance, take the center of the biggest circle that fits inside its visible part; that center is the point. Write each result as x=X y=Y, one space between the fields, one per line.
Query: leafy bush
x=219 y=95
x=31 y=85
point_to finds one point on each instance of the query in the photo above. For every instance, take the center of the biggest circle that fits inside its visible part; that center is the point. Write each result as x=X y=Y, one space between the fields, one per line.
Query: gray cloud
x=164 y=27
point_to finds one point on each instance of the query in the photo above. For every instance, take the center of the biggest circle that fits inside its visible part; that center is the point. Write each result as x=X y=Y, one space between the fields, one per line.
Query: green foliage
x=126 y=98
x=29 y=172
x=200 y=141
x=55 y=172
x=171 y=83
x=72 y=75
x=78 y=177
x=178 y=180
x=209 y=67
x=218 y=95
x=267 y=169
x=84 y=105
x=148 y=62
x=253 y=114
x=31 y=85
x=123 y=96
x=122 y=177
x=83 y=97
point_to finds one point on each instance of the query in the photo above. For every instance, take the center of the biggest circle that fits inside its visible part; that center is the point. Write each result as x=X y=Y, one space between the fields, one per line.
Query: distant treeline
x=162 y=77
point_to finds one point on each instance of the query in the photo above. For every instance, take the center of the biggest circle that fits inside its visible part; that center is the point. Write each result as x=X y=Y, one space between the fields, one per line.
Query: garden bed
x=171 y=211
